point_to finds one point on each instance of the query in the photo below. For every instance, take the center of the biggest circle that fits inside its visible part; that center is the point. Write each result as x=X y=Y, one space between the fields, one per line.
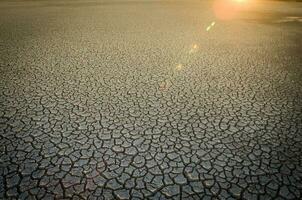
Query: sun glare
x=227 y=9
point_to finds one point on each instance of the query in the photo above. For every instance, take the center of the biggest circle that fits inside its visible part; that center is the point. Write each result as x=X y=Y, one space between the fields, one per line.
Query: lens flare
x=179 y=67
x=210 y=26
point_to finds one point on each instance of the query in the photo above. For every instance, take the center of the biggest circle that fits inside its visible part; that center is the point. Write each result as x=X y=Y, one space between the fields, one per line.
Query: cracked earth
x=137 y=100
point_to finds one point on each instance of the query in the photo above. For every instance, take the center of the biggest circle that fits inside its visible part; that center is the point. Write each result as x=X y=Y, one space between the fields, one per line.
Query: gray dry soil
x=136 y=100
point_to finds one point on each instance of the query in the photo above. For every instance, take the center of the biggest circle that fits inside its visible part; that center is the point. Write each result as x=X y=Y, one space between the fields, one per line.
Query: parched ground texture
x=149 y=100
